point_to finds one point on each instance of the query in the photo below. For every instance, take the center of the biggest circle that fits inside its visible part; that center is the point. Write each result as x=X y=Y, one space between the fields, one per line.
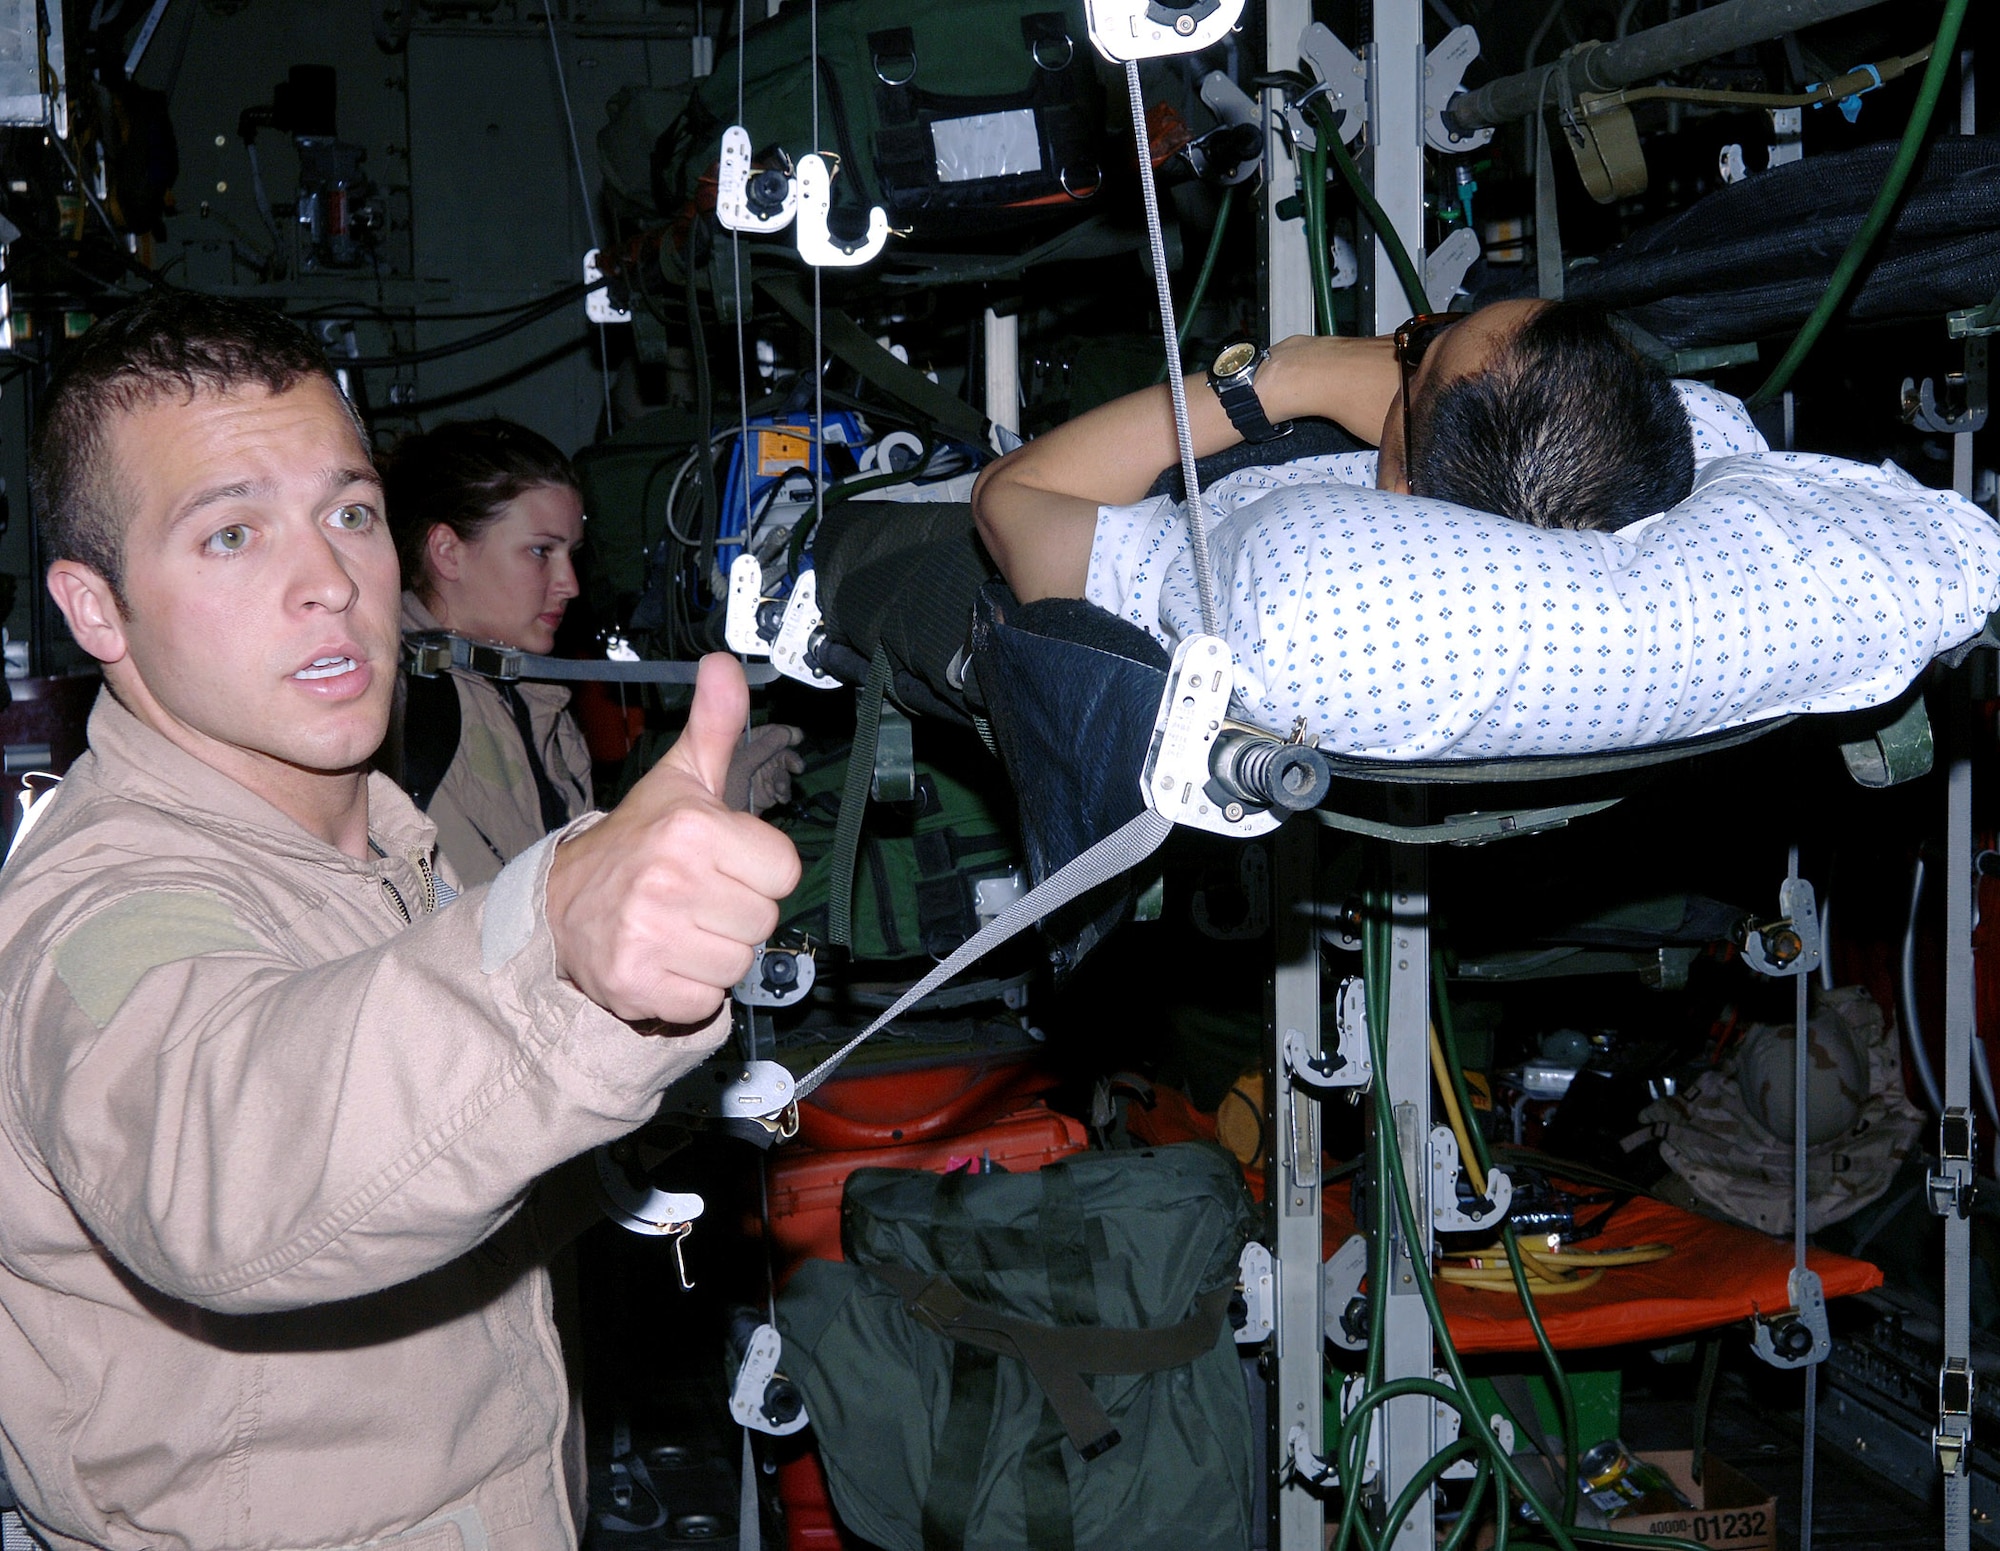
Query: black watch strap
x=1238 y=394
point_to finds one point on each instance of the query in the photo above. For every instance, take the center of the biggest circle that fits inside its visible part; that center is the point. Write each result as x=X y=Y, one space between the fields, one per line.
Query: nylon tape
x=1116 y=854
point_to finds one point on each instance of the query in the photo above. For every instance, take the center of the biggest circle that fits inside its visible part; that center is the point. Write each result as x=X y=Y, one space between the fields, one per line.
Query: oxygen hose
x=1350 y=1451
x=1207 y=271
x=1399 y=256
x=1942 y=56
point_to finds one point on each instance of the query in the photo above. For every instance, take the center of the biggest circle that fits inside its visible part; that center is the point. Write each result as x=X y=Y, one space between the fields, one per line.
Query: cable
x=1906 y=987
x=1878 y=213
x=553 y=303
x=589 y=204
x=1197 y=509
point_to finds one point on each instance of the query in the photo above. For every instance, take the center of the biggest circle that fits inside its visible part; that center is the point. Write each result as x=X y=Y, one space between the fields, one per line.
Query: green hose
x=1565 y=1394
x=1406 y=272
x=1376 y=951
x=1878 y=213
x=1312 y=186
x=1207 y=271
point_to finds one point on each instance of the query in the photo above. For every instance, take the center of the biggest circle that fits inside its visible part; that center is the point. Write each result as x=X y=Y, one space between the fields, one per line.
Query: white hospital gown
x=1404 y=628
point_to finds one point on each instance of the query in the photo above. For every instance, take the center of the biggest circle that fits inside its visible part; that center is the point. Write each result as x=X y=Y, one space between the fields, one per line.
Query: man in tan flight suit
x=273 y=1102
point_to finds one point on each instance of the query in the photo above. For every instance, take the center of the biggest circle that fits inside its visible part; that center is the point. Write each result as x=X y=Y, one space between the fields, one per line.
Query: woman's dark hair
x=1569 y=427
x=462 y=474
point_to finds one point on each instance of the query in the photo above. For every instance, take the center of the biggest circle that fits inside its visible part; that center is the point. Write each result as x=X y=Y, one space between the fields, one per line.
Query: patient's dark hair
x=167 y=344
x=462 y=474
x=1568 y=428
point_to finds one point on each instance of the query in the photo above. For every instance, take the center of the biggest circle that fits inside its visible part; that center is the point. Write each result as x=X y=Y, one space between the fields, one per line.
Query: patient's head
x=1541 y=412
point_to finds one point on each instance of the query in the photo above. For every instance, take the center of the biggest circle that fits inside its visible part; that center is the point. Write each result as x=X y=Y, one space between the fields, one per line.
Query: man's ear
x=87 y=601
x=443 y=551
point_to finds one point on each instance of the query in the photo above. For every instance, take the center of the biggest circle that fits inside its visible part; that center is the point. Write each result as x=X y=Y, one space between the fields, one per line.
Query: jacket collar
x=136 y=763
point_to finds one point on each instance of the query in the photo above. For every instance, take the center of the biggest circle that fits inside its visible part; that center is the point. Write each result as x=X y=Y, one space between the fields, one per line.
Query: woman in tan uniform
x=487 y=517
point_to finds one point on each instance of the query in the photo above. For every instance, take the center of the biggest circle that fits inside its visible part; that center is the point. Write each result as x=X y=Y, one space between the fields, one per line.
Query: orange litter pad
x=1717 y=1274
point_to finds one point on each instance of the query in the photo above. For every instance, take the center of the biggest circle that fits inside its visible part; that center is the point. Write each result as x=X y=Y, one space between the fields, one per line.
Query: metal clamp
x=1444 y=79
x=598 y=307
x=1127 y=30
x=794 y=652
x=778 y=977
x=1342 y=79
x=1790 y=944
x=1176 y=780
x=749 y=199
x=762 y=1399
x=1345 y=1303
x=1949 y=1187
x=1799 y=1337
x=817 y=244
x=1347 y=1066
x=1257 y=1276
x=732 y=1090
x=1447 y=1214
x=1966 y=393
x=1952 y=1441
x=751 y=621
x=632 y=1201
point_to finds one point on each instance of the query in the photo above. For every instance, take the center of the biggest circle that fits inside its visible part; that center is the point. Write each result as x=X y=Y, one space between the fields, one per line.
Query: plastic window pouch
x=986 y=145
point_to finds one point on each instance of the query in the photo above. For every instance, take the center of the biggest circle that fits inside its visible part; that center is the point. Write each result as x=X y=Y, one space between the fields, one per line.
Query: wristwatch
x=1233 y=375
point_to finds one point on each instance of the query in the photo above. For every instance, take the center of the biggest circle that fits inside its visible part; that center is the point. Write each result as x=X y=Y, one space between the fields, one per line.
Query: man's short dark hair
x=463 y=474
x=1569 y=427
x=167 y=343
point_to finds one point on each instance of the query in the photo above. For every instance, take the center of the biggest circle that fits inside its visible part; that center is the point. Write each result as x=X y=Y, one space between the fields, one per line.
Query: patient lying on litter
x=1602 y=559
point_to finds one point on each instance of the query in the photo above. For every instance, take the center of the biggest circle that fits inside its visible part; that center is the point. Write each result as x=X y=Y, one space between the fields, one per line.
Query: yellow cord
x=1467 y=1158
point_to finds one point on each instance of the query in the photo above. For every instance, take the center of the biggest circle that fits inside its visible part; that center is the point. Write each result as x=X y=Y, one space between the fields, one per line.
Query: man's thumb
x=715 y=722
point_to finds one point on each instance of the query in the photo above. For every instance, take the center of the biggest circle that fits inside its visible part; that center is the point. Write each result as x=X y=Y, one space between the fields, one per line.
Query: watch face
x=1234 y=358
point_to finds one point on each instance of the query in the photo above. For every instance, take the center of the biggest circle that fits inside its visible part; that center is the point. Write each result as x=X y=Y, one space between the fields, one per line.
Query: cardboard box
x=1731 y=1513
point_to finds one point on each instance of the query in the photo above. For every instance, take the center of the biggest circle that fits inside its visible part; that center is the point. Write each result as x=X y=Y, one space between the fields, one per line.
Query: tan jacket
x=266 y=1275
x=486 y=809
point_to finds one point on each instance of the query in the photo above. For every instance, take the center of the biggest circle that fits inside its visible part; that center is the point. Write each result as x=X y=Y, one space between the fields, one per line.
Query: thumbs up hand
x=658 y=910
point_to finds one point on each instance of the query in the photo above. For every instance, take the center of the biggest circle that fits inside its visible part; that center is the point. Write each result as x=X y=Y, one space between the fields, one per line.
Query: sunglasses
x=1412 y=340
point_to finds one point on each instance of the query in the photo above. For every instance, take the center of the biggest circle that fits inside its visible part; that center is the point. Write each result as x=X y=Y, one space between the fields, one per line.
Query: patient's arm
x=1037 y=507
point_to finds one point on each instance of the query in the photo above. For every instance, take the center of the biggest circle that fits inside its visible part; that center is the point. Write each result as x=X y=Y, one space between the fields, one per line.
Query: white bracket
x=1124 y=30
x=1341 y=72
x=1447 y=1216
x=1444 y=77
x=597 y=304
x=817 y=245
x=743 y=194
x=732 y=1090
x=753 y=1382
x=1256 y=1274
x=1347 y=1065
x=1800 y=1337
x=1446 y=264
x=778 y=977
x=1789 y=945
x=1176 y=780
x=744 y=620
x=1341 y=1296
x=630 y=1200
x=796 y=634
x=1253 y=875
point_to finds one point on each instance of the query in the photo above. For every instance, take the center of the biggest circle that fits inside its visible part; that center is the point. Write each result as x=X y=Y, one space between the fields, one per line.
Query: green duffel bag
x=1033 y=1360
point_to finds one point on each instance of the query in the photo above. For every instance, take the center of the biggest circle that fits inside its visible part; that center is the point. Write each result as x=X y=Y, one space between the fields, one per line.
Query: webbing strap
x=749 y=1512
x=1059 y=1356
x=1113 y=856
x=855 y=347
x=854 y=801
x=1801 y=1070
x=426 y=652
x=1045 y=1486
x=1959 y=1013
x=961 y=1449
x=1066 y=1246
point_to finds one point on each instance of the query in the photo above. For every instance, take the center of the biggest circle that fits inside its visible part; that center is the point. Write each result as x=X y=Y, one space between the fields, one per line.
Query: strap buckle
x=1952 y=1442
x=427 y=653
x=1950 y=1186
